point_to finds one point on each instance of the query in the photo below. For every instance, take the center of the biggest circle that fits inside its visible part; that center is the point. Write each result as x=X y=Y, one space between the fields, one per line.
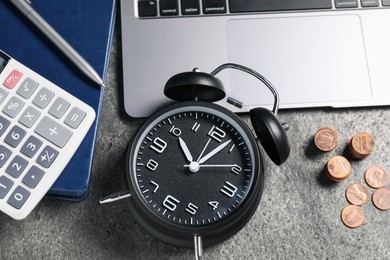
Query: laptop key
x=238 y=6
x=370 y=3
x=190 y=7
x=168 y=7
x=346 y=3
x=147 y=8
x=214 y=6
x=386 y=2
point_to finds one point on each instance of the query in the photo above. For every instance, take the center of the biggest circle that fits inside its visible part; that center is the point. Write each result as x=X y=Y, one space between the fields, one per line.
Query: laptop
x=316 y=53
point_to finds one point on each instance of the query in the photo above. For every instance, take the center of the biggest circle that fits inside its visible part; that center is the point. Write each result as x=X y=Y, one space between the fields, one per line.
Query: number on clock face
x=193 y=166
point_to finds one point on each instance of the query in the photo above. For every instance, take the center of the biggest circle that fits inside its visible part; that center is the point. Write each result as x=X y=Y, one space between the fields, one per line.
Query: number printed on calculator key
x=5 y=186
x=19 y=197
x=31 y=146
x=15 y=136
x=17 y=166
x=5 y=153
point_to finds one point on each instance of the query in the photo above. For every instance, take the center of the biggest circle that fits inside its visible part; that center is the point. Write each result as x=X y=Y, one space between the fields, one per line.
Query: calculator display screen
x=3 y=63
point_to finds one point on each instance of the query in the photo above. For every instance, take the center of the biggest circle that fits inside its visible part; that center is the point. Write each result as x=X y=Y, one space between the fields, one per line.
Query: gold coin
x=361 y=145
x=352 y=216
x=381 y=199
x=338 y=168
x=376 y=177
x=326 y=139
x=357 y=194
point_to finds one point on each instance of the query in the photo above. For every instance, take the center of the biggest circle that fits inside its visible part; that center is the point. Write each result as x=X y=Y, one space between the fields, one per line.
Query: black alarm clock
x=193 y=174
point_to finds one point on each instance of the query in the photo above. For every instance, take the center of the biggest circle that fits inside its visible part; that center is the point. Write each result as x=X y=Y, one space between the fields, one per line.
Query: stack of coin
x=326 y=139
x=338 y=168
x=361 y=145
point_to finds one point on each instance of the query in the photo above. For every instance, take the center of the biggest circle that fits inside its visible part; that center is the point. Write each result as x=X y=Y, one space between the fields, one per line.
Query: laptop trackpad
x=308 y=59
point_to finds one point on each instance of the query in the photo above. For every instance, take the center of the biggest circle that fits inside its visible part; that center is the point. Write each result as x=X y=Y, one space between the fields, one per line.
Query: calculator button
x=5 y=153
x=33 y=177
x=12 y=79
x=27 y=88
x=43 y=98
x=17 y=166
x=4 y=123
x=29 y=117
x=19 y=197
x=59 y=107
x=47 y=156
x=75 y=117
x=13 y=107
x=31 y=146
x=53 y=131
x=5 y=186
x=15 y=136
x=3 y=94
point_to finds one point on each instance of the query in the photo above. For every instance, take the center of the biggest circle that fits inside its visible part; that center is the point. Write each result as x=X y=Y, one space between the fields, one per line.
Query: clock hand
x=213 y=165
x=214 y=152
x=185 y=149
x=204 y=149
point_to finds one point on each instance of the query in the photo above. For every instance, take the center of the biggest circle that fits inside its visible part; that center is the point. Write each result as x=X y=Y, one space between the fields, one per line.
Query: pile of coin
x=376 y=177
x=338 y=168
x=357 y=195
x=353 y=215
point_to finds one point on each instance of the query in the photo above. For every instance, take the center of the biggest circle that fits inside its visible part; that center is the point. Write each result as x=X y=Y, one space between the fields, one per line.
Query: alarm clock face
x=194 y=168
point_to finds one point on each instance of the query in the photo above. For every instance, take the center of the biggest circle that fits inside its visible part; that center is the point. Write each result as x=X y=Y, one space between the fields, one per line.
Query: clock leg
x=198 y=247
x=115 y=196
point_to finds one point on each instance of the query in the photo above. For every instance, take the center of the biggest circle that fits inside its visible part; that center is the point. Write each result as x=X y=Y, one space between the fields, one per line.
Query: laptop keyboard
x=172 y=8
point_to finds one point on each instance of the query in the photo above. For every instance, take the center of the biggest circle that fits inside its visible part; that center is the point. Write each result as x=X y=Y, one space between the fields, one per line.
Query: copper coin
x=352 y=216
x=357 y=194
x=376 y=177
x=338 y=168
x=361 y=145
x=381 y=199
x=326 y=139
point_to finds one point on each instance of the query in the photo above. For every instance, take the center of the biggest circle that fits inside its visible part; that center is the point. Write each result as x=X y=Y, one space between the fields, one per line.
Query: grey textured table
x=298 y=217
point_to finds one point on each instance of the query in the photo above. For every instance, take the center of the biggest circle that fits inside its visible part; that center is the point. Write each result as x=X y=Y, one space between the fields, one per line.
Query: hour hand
x=185 y=149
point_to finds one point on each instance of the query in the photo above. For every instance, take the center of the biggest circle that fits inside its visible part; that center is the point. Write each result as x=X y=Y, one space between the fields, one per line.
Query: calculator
x=41 y=127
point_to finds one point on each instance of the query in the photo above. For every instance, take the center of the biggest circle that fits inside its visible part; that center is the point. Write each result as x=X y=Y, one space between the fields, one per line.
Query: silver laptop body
x=316 y=53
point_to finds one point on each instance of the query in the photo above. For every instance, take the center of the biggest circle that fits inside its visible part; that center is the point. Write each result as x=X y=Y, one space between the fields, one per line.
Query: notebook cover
x=87 y=25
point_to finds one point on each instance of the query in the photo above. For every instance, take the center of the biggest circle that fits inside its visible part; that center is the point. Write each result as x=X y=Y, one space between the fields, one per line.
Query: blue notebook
x=88 y=26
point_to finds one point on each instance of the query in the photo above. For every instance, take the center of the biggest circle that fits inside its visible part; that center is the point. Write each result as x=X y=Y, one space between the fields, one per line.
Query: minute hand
x=214 y=152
